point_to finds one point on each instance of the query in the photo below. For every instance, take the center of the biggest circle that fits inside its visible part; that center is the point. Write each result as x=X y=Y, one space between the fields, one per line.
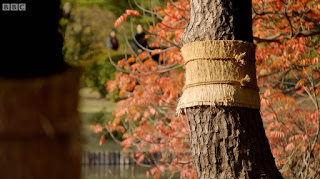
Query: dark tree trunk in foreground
x=39 y=122
x=40 y=127
x=226 y=141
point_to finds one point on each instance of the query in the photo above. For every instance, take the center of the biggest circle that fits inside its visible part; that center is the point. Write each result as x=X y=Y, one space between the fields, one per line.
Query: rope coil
x=219 y=72
x=244 y=82
x=240 y=58
x=237 y=58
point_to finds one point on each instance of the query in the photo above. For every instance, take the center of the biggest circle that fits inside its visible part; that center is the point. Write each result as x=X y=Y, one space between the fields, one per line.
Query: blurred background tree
x=86 y=29
x=86 y=25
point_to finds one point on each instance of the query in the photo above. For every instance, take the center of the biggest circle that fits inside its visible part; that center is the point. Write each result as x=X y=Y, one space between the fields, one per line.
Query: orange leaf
x=102 y=139
x=300 y=83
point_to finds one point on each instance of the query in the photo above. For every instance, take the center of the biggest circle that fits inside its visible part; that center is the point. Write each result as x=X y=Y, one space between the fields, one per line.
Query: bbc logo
x=14 y=7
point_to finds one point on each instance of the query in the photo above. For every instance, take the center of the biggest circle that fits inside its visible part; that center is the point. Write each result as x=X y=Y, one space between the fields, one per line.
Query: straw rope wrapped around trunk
x=40 y=127
x=220 y=72
x=220 y=97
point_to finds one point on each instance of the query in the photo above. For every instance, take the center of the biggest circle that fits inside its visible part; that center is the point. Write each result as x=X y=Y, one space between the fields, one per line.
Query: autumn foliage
x=125 y=16
x=287 y=37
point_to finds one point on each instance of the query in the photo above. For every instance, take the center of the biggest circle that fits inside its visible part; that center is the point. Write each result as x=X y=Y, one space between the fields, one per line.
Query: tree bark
x=226 y=142
x=39 y=122
x=40 y=127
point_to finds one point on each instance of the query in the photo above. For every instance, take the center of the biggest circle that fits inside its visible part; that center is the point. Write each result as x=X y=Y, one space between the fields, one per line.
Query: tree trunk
x=226 y=141
x=40 y=127
x=39 y=121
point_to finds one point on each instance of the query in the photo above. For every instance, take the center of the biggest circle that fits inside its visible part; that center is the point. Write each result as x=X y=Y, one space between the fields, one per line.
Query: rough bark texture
x=219 y=20
x=230 y=142
x=227 y=142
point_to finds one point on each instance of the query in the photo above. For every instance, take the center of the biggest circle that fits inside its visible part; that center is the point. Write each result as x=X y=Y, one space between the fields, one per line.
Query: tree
x=40 y=126
x=285 y=68
x=85 y=45
x=234 y=144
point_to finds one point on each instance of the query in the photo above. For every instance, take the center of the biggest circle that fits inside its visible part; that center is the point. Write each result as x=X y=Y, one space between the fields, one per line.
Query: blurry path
x=91 y=102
